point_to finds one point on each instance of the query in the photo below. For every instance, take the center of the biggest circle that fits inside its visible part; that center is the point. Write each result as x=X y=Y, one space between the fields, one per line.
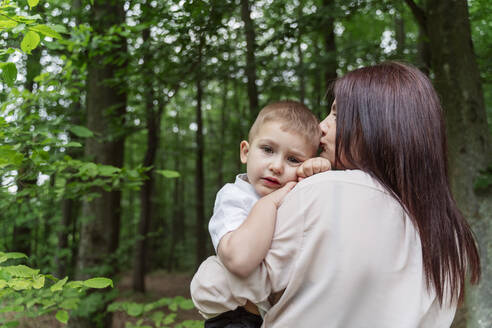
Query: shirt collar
x=243 y=183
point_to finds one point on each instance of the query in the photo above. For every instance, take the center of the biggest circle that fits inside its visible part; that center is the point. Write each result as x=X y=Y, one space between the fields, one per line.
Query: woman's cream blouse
x=347 y=255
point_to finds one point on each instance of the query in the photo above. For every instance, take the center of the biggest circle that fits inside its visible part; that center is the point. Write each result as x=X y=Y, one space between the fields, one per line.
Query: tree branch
x=418 y=13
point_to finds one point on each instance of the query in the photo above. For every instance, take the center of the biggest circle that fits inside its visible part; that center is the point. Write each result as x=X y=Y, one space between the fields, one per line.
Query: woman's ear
x=243 y=151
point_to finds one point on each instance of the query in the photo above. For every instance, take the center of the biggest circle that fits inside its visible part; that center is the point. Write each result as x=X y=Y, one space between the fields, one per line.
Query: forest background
x=120 y=120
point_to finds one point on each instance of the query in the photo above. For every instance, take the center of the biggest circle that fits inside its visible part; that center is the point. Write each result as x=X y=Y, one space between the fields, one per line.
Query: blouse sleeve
x=215 y=290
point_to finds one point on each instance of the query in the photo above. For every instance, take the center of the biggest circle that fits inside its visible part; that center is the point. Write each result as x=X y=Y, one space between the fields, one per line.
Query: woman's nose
x=323 y=126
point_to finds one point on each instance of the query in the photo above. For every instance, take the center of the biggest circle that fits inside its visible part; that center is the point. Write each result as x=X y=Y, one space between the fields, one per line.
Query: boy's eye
x=293 y=160
x=267 y=149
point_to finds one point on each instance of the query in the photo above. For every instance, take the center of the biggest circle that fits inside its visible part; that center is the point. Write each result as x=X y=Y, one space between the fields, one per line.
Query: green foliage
x=484 y=181
x=25 y=292
x=170 y=174
x=152 y=314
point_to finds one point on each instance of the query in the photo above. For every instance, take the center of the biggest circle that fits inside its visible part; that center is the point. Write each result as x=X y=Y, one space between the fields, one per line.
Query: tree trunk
x=106 y=105
x=26 y=178
x=70 y=206
x=200 y=215
x=301 y=74
x=331 y=64
x=249 y=31
x=457 y=81
x=423 y=46
x=317 y=81
x=400 y=37
x=153 y=120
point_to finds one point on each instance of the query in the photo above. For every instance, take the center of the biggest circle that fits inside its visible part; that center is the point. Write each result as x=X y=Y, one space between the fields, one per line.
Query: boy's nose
x=276 y=166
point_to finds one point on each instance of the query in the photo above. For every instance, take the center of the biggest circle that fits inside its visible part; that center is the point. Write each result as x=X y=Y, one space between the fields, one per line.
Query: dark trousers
x=239 y=318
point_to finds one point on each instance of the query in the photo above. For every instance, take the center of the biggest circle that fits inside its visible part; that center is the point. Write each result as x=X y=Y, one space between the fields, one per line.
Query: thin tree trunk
x=331 y=64
x=423 y=46
x=177 y=216
x=249 y=31
x=70 y=206
x=153 y=121
x=300 y=65
x=400 y=37
x=200 y=215
x=222 y=141
x=22 y=234
x=317 y=83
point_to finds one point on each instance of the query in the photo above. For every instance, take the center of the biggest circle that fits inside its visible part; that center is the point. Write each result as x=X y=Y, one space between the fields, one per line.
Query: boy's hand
x=313 y=166
x=277 y=197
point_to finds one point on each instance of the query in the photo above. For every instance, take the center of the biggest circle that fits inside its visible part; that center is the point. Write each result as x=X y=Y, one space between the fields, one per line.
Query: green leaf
x=12 y=255
x=157 y=318
x=21 y=271
x=59 y=285
x=32 y=3
x=169 y=173
x=134 y=309
x=46 y=30
x=173 y=307
x=99 y=282
x=170 y=318
x=30 y=42
x=19 y=284
x=81 y=131
x=75 y=284
x=62 y=316
x=73 y=144
x=7 y=23
x=70 y=304
x=108 y=170
x=186 y=304
x=9 y=73
x=38 y=282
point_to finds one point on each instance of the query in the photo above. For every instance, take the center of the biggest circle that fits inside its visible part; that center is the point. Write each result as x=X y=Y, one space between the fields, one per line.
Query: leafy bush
x=149 y=315
x=24 y=292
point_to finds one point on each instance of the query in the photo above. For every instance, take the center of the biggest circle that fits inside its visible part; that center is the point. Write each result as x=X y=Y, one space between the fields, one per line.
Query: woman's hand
x=313 y=166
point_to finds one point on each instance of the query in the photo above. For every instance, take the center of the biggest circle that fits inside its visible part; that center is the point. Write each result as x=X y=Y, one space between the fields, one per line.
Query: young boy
x=280 y=149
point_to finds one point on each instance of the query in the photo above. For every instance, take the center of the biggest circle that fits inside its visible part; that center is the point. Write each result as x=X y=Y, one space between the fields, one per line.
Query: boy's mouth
x=271 y=181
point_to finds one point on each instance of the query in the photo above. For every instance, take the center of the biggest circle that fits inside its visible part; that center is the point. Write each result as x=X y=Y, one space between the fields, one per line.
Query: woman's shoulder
x=346 y=177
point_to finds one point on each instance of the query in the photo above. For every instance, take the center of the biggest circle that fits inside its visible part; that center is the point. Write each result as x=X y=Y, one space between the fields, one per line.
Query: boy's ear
x=243 y=151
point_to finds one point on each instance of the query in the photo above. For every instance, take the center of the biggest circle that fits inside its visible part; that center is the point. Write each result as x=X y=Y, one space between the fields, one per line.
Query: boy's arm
x=243 y=249
x=313 y=166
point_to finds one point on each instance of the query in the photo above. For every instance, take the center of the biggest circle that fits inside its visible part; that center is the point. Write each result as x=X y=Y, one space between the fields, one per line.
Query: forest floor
x=158 y=284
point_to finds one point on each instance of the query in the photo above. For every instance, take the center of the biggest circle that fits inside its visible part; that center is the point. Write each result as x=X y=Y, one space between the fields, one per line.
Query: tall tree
x=106 y=104
x=249 y=31
x=200 y=214
x=26 y=177
x=458 y=83
x=153 y=122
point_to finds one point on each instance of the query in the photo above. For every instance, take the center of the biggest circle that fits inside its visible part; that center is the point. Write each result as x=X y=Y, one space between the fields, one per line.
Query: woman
x=378 y=242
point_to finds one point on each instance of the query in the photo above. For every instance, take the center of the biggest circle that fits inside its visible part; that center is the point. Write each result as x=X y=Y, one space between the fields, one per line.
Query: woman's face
x=328 y=132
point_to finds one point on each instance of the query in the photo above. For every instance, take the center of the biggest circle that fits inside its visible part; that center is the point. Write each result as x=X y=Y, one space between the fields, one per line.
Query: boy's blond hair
x=294 y=117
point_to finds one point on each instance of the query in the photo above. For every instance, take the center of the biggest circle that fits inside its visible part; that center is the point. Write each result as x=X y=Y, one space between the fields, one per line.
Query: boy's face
x=273 y=157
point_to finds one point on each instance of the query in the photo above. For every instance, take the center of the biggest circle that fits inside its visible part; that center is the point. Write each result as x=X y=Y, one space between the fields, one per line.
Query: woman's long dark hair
x=390 y=125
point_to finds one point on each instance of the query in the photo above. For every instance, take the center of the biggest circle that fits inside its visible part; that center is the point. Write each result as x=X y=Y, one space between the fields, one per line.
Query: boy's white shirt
x=233 y=203
x=346 y=254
